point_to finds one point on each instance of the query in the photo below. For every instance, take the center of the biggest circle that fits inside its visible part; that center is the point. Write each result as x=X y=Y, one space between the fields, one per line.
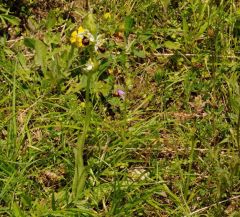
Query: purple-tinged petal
x=120 y=92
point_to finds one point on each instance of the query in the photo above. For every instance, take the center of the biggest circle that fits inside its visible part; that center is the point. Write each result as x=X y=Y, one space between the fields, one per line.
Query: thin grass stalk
x=191 y=160
x=238 y=132
x=14 y=122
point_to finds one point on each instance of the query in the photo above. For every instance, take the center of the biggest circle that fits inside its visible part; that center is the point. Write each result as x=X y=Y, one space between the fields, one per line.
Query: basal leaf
x=11 y=19
x=41 y=54
x=172 y=45
x=139 y=53
x=29 y=42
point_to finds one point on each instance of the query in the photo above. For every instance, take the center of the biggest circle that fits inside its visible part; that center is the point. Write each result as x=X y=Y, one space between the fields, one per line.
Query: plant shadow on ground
x=170 y=148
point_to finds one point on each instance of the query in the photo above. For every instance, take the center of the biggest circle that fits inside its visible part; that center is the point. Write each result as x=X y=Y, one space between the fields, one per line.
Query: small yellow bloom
x=81 y=30
x=79 y=43
x=107 y=16
x=73 y=38
x=78 y=36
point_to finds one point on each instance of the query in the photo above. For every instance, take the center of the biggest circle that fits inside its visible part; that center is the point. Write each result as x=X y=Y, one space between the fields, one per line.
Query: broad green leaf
x=51 y=20
x=11 y=19
x=3 y=9
x=172 y=45
x=89 y=22
x=29 y=42
x=41 y=54
x=139 y=53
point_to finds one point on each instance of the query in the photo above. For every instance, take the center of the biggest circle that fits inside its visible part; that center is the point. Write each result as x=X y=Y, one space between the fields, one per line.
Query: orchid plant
x=85 y=37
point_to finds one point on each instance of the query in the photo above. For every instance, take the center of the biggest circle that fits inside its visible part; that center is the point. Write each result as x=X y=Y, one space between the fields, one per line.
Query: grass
x=169 y=148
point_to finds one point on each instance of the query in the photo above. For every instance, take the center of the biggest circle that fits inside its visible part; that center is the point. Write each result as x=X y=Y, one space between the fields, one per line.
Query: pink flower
x=121 y=93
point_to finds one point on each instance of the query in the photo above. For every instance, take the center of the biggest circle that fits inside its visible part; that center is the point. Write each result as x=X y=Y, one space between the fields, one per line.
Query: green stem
x=80 y=170
x=188 y=178
x=238 y=132
x=14 y=122
x=214 y=69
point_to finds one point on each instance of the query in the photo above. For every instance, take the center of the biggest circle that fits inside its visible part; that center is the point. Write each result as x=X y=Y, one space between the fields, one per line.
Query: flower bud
x=91 y=65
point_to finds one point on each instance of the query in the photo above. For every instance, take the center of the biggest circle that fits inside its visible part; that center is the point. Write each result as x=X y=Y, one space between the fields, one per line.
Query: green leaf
x=115 y=101
x=16 y=210
x=185 y=26
x=139 y=53
x=172 y=45
x=53 y=202
x=26 y=200
x=29 y=42
x=101 y=87
x=89 y=22
x=41 y=54
x=185 y=30
x=202 y=29
x=51 y=20
x=11 y=19
x=128 y=25
x=165 y=4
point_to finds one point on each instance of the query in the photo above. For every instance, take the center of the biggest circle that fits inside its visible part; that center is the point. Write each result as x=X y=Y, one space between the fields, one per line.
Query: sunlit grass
x=168 y=147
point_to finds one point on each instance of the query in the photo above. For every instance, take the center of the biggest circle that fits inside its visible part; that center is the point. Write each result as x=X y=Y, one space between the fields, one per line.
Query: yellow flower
x=79 y=43
x=78 y=36
x=107 y=16
x=73 y=38
x=81 y=30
